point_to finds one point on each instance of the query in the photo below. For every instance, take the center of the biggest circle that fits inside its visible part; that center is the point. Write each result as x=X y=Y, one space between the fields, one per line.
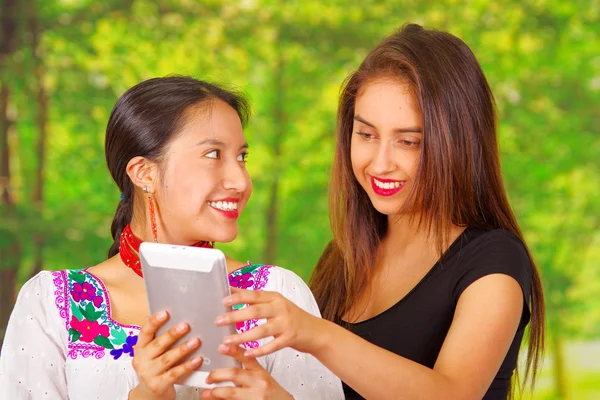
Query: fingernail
x=248 y=353
x=192 y=343
x=219 y=320
x=196 y=361
x=227 y=301
x=181 y=327
x=224 y=348
x=228 y=340
x=161 y=315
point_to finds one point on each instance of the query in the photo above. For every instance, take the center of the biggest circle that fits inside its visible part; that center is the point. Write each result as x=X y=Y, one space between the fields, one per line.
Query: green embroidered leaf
x=119 y=336
x=249 y=268
x=79 y=278
x=104 y=342
x=97 y=315
x=76 y=311
x=75 y=335
x=90 y=313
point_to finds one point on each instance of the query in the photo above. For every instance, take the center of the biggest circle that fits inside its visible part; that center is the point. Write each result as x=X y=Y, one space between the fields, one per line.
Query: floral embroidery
x=82 y=302
x=242 y=281
x=130 y=342
x=251 y=277
x=86 y=313
x=87 y=331
x=86 y=291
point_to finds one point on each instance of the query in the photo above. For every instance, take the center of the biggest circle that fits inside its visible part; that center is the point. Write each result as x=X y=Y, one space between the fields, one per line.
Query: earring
x=152 y=215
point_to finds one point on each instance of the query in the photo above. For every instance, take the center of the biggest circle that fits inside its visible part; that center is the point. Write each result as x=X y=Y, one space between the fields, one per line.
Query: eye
x=409 y=143
x=243 y=157
x=213 y=154
x=366 y=136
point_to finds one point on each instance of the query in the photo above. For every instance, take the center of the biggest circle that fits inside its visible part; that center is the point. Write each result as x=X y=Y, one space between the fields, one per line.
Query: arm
x=479 y=338
x=32 y=361
x=301 y=374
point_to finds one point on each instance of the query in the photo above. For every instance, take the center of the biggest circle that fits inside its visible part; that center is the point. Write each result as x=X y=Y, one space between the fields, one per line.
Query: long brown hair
x=458 y=182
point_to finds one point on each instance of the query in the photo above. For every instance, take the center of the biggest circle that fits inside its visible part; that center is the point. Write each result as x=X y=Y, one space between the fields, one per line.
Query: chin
x=223 y=236
x=388 y=209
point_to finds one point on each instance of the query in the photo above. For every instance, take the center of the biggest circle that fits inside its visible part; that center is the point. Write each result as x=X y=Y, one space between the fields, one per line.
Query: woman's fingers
x=256 y=333
x=250 y=297
x=162 y=342
x=173 y=356
x=150 y=326
x=257 y=311
x=175 y=373
x=271 y=347
x=238 y=376
x=238 y=353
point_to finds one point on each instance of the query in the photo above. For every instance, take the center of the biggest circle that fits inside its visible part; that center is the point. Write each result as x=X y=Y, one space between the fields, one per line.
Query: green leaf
x=103 y=341
x=90 y=313
x=79 y=278
x=76 y=311
x=75 y=335
x=119 y=336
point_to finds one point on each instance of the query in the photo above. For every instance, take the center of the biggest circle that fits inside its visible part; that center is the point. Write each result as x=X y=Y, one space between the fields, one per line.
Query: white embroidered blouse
x=61 y=341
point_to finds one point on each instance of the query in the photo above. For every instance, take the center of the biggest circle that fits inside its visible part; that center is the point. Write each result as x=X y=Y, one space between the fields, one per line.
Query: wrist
x=324 y=336
x=138 y=393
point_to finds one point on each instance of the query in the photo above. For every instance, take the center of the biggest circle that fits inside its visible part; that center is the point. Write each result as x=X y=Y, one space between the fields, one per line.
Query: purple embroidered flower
x=242 y=281
x=127 y=348
x=85 y=291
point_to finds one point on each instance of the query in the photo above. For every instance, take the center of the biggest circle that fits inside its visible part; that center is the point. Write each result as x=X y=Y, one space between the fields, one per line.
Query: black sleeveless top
x=416 y=326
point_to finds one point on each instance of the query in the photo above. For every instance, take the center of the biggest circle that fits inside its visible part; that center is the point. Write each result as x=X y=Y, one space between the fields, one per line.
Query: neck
x=404 y=233
x=143 y=231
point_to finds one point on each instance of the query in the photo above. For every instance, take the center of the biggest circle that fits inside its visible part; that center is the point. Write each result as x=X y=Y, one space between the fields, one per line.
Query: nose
x=235 y=177
x=383 y=159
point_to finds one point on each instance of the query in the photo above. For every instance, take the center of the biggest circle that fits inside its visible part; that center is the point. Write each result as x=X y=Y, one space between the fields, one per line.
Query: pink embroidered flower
x=242 y=281
x=85 y=291
x=89 y=330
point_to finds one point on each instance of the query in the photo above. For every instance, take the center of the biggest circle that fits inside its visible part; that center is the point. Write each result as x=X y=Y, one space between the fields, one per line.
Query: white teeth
x=388 y=185
x=224 y=205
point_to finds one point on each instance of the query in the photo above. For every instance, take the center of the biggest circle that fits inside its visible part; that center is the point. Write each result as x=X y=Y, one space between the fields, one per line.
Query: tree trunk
x=560 y=378
x=42 y=125
x=10 y=252
x=280 y=127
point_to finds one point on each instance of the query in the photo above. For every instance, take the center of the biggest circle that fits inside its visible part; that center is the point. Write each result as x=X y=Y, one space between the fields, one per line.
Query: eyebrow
x=413 y=129
x=216 y=142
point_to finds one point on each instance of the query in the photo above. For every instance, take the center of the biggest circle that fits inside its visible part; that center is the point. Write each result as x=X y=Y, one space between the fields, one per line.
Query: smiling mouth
x=226 y=207
x=386 y=187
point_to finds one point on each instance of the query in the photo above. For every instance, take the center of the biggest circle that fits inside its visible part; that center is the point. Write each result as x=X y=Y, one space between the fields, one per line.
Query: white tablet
x=190 y=283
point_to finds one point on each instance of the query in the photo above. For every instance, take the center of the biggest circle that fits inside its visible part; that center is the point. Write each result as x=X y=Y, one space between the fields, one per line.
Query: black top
x=416 y=326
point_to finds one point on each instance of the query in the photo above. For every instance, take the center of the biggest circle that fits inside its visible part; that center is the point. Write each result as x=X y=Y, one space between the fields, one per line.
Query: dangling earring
x=152 y=215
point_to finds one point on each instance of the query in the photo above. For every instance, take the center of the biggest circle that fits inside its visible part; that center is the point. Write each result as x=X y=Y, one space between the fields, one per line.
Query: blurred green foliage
x=63 y=64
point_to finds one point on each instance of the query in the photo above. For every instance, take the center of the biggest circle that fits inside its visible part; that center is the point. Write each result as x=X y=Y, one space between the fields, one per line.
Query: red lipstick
x=393 y=186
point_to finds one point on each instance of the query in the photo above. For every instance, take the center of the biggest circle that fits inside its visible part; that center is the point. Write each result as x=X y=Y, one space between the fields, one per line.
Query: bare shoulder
x=111 y=271
x=233 y=264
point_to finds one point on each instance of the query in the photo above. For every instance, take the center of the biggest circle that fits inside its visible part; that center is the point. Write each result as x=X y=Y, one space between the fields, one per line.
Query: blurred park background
x=63 y=64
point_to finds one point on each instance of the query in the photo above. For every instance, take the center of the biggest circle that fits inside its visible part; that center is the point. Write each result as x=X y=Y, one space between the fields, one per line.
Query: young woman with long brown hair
x=427 y=285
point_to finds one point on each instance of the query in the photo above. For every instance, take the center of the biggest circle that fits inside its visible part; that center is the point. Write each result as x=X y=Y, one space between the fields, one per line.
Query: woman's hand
x=154 y=362
x=253 y=381
x=289 y=325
